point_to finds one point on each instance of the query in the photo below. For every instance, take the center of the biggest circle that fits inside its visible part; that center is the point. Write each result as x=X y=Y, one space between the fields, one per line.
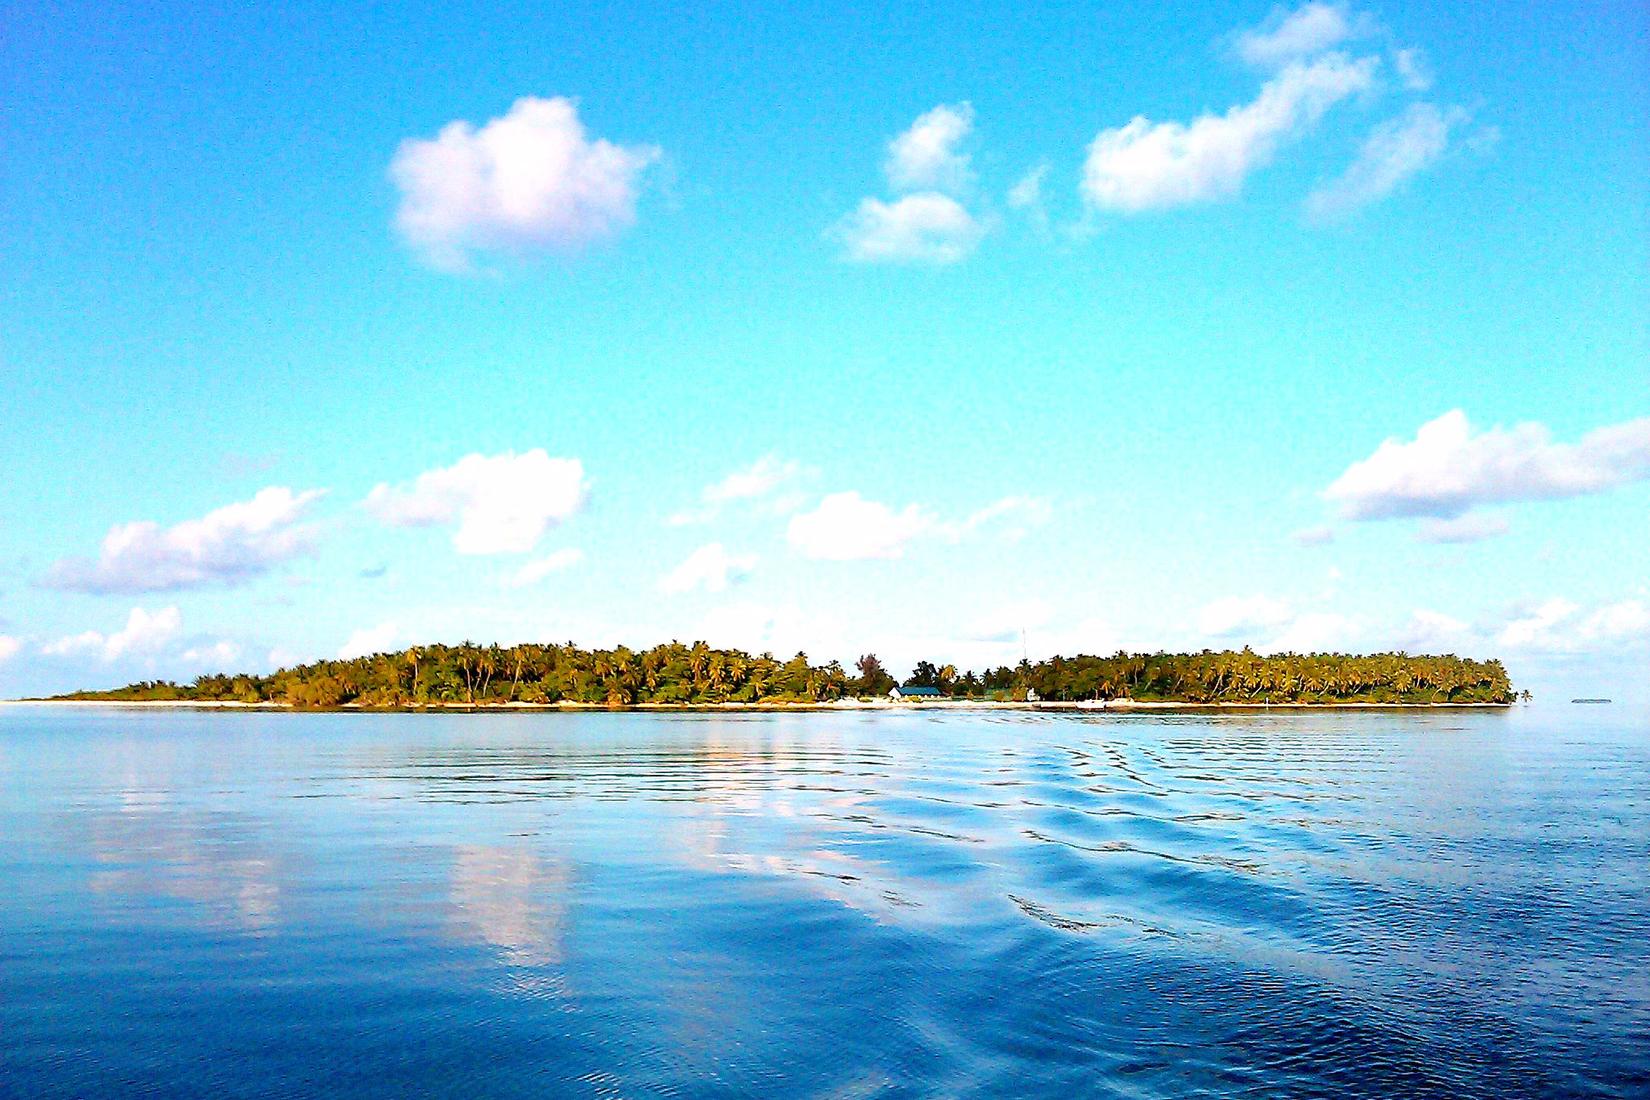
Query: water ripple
x=937 y=904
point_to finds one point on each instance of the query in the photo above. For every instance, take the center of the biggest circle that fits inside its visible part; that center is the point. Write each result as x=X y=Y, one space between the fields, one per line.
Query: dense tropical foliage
x=700 y=675
x=1241 y=676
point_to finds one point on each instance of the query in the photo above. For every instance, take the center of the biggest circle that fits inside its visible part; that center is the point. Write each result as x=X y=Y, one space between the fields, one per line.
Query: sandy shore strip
x=905 y=707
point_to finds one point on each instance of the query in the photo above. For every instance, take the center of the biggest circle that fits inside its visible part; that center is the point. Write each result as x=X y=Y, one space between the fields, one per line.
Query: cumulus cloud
x=1473 y=527
x=927 y=227
x=1628 y=619
x=9 y=647
x=765 y=479
x=369 y=640
x=1412 y=68
x=144 y=633
x=847 y=527
x=1027 y=196
x=759 y=479
x=711 y=568
x=925 y=157
x=1287 y=36
x=1558 y=625
x=228 y=546
x=539 y=568
x=501 y=504
x=1431 y=631
x=1234 y=619
x=1315 y=632
x=1027 y=192
x=218 y=655
x=1235 y=615
x=527 y=181
x=1538 y=626
x=758 y=628
x=280 y=657
x=1396 y=150
x=1151 y=166
x=1448 y=468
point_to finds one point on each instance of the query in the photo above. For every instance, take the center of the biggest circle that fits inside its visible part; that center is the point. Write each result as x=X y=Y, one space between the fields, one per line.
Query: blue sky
x=990 y=355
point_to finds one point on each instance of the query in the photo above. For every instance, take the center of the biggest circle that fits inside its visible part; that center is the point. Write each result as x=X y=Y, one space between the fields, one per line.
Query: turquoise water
x=831 y=904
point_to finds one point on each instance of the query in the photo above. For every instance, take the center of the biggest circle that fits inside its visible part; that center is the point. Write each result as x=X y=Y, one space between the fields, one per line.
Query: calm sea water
x=837 y=905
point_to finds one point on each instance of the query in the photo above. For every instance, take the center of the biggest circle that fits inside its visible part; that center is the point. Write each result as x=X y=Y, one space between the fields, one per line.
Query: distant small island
x=677 y=674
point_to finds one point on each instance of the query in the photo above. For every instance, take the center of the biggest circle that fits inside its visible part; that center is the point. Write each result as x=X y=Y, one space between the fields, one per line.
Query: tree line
x=697 y=674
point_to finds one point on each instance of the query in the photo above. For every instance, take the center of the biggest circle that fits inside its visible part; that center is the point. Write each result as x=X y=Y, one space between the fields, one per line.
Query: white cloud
x=1291 y=35
x=367 y=641
x=1413 y=70
x=1536 y=627
x=1448 y=469
x=927 y=227
x=925 y=157
x=1429 y=631
x=529 y=180
x=925 y=224
x=1473 y=527
x=1314 y=536
x=750 y=626
x=761 y=478
x=846 y=527
x=1017 y=514
x=9 y=647
x=1147 y=166
x=1235 y=619
x=280 y=657
x=1010 y=622
x=1027 y=195
x=227 y=546
x=219 y=655
x=783 y=629
x=145 y=632
x=1332 y=583
x=1484 y=139
x=502 y=504
x=711 y=568
x=1396 y=150
x=1234 y=615
x=1315 y=632
x=1628 y=619
x=539 y=568
x=1559 y=625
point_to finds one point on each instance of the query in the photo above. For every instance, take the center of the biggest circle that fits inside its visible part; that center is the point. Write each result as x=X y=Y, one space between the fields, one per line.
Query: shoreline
x=874 y=705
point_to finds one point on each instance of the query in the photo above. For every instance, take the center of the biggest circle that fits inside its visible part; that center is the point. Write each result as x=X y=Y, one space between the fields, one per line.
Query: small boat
x=1589 y=700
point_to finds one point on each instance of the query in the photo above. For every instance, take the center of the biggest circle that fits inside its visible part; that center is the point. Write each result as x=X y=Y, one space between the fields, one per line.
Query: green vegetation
x=1241 y=676
x=699 y=675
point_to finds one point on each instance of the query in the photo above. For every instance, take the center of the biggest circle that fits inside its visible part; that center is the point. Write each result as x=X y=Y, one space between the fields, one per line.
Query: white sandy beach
x=1086 y=705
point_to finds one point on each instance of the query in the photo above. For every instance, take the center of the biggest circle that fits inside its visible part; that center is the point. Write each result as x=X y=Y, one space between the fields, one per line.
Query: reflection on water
x=145 y=848
x=512 y=899
x=1249 y=904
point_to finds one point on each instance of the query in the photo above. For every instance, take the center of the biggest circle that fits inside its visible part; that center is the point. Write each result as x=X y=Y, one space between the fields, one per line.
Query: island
x=698 y=675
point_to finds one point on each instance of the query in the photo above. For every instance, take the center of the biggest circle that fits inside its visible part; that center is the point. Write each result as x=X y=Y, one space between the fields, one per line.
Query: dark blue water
x=836 y=905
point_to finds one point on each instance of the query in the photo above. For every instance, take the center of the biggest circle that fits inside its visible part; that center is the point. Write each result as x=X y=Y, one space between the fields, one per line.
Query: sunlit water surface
x=842 y=905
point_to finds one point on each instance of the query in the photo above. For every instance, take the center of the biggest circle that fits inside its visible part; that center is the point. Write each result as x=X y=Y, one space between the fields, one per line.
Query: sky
x=955 y=333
